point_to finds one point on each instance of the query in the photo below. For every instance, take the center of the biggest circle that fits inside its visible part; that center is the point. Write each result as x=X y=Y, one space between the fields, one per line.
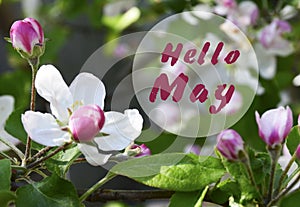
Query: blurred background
x=75 y=29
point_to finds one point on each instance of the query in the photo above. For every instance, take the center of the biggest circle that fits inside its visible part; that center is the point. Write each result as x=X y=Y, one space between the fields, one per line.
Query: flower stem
x=34 y=64
x=293 y=158
x=34 y=164
x=284 y=192
x=101 y=182
x=246 y=162
x=13 y=148
x=274 y=154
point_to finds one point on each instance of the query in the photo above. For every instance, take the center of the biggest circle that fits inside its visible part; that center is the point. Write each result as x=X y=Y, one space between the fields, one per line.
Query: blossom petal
x=51 y=86
x=92 y=154
x=122 y=129
x=9 y=138
x=6 y=108
x=266 y=62
x=88 y=89
x=44 y=129
x=23 y=36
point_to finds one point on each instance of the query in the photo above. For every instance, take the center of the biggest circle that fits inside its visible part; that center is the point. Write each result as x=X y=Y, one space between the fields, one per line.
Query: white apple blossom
x=6 y=108
x=86 y=91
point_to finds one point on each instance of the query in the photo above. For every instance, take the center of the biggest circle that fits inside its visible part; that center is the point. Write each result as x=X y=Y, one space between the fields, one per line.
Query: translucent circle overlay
x=195 y=74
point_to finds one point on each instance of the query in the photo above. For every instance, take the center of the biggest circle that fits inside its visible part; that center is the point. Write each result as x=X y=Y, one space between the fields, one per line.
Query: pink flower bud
x=86 y=122
x=25 y=34
x=230 y=144
x=143 y=150
x=298 y=152
x=274 y=125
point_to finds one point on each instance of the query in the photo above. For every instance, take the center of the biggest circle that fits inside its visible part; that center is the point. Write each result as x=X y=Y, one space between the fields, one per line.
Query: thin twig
x=36 y=163
x=284 y=192
x=79 y=160
x=132 y=195
x=7 y=157
x=40 y=153
x=13 y=148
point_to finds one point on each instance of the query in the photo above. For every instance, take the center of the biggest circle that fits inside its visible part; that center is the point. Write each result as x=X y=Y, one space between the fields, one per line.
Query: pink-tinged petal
x=249 y=12
x=4 y=135
x=258 y=121
x=6 y=108
x=282 y=26
x=86 y=122
x=92 y=154
x=299 y=120
x=267 y=35
x=274 y=125
x=122 y=129
x=51 y=86
x=143 y=150
x=298 y=152
x=230 y=144
x=37 y=27
x=289 y=121
x=44 y=129
x=23 y=36
x=88 y=89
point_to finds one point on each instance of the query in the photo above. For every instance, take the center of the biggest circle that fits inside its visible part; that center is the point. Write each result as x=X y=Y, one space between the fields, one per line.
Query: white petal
x=281 y=47
x=288 y=12
x=92 y=154
x=6 y=108
x=9 y=138
x=44 y=129
x=88 y=89
x=122 y=129
x=266 y=62
x=51 y=86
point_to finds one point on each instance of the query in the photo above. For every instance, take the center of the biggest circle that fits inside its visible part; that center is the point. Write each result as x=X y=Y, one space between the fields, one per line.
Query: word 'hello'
x=199 y=93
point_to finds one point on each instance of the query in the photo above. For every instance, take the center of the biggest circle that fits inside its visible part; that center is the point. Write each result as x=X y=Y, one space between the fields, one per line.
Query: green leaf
x=15 y=127
x=6 y=197
x=172 y=171
x=293 y=139
x=224 y=190
x=290 y=200
x=5 y=174
x=186 y=199
x=240 y=175
x=61 y=162
x=51 y=192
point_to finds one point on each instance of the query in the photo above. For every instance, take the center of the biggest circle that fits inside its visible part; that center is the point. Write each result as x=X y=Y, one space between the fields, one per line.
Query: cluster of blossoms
x=77 y=111
x=274 y=126
x=268 y=37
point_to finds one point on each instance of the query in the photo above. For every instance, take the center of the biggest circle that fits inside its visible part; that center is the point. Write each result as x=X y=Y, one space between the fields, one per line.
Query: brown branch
x=40 y=153
x=57 y=150
x=135 y=195
x=104 y=195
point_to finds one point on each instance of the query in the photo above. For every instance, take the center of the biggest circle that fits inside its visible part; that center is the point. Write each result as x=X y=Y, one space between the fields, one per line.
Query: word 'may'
x=199 y=93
